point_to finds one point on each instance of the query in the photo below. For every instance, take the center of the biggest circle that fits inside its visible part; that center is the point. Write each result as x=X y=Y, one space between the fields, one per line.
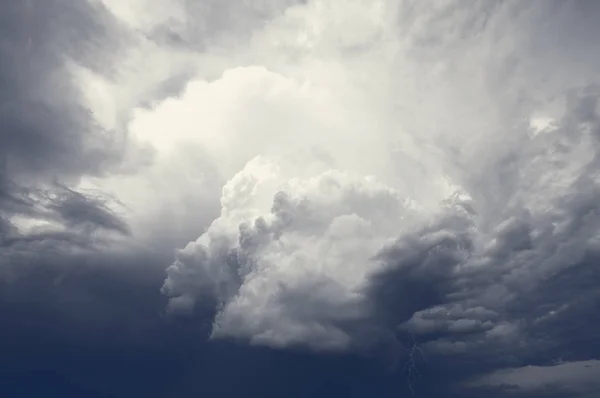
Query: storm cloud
x=300 y=197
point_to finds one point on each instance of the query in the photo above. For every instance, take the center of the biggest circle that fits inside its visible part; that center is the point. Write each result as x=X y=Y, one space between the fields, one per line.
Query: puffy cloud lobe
x=313 y=244
x=321 y=266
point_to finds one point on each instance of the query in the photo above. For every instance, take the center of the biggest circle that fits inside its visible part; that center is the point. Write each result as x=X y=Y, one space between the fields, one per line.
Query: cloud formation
x=49 y=139
x=522 y=187
x=336 y=176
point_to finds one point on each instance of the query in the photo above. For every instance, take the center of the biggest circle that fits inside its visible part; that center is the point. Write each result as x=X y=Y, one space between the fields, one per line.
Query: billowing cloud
x=517 y=186
x=290 y=250
x=330 y=175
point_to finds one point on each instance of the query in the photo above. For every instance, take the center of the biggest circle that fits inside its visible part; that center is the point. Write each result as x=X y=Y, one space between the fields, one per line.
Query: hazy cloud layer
x=416 y=181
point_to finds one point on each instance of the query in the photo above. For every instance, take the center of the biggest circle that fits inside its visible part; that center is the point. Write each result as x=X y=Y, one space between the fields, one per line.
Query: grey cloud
x=528 y=296
x=86 y=211
x=570 y=379
x=461 y=284
x=228 y=260
x=213 y=22
x=45 y=128
x=48 y=138
x=419 y=270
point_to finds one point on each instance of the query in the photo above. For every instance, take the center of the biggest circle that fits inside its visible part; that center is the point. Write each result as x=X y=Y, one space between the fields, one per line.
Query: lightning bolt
x=415 y=354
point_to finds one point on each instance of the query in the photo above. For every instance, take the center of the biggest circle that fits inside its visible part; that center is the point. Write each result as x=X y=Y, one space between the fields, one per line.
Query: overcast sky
x=300 y=198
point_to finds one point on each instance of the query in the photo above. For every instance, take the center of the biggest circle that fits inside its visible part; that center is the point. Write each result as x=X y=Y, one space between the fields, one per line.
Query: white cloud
x=290 y=252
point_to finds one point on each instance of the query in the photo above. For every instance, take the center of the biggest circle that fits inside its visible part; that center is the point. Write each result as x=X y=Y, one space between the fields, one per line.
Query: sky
x=301 y=198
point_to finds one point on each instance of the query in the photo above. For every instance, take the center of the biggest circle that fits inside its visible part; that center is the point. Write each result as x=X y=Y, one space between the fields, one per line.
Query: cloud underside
x=334 y=176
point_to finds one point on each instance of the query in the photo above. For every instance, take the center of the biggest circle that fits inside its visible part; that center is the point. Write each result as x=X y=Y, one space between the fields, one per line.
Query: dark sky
x=380 y=198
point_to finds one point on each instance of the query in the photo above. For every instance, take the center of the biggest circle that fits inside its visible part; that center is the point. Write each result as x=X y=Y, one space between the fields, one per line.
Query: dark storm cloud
x=562 y=312
x=567 y=379
x=81 y=211
x=45 y=129
x=48 y=138
x=57 y=277
x=419 y=269
x=530 y=299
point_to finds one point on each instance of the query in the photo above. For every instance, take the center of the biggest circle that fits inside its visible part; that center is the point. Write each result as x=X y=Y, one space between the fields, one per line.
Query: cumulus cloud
x=289 y=251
